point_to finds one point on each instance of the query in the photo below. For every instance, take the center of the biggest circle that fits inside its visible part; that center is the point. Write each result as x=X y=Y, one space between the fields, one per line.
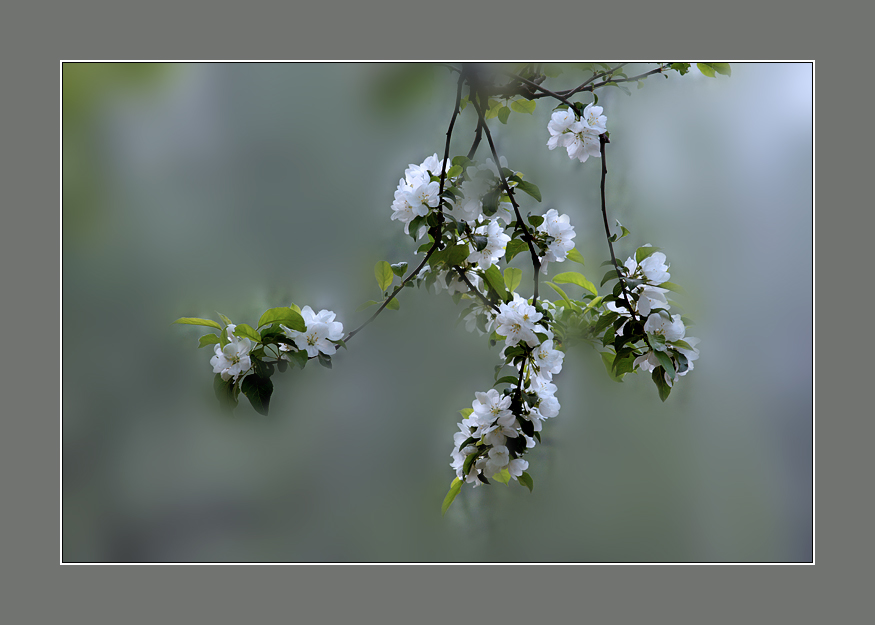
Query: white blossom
x=668 y=329
x=320 y=330
x=490 y=407
x=233 y=359
x=547 y=360
x=580 y=138
x=496 y=243
x=516 y=321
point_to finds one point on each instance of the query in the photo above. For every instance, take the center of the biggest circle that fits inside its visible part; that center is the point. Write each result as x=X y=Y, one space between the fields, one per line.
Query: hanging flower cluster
x=468 y=217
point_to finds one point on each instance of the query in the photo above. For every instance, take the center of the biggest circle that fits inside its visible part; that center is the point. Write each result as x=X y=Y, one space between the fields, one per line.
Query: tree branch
x=602 y=141
x=436 y=228
x=527 y=236
x=474 y=289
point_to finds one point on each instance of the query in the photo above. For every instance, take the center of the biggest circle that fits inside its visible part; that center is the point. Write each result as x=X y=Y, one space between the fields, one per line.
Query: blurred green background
x=195 y=188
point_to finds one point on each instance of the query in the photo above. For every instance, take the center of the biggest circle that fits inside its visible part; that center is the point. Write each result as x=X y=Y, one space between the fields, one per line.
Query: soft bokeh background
x=236 y=187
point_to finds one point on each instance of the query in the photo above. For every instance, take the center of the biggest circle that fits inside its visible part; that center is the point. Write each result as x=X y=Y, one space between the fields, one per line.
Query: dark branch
x=437 y=228
x=474 y=289
x=602 y=141
x=527 y=236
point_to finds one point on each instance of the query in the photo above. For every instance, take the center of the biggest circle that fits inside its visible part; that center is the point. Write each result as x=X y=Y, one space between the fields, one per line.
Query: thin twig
x=602 y=141
x=527 y=236
x=474 y=289
x=437 y=228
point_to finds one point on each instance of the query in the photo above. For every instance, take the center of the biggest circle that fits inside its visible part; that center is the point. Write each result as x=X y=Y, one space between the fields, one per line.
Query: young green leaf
x=208 y=339
x=195 y=321
x=526 y=480
x=523 y=106
x=575 y=256
x=285 y=316
x=502 y=476
x=324 y=360
x=573 y=277
x=398 y=269
x=503 y=114
x=244 y=330
x=512 y=278
x=562 y=294
x=465 y=412
x=383 y=273
x=394 y=304
x=706 y=69
x=455 y=487
x=366 y=305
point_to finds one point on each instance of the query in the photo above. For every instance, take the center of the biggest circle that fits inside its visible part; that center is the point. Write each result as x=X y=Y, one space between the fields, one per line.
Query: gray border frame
x=306 y=591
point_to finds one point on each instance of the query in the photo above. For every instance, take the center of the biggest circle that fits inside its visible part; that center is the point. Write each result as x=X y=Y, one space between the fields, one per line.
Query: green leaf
x=575 y=256
x=457 y=254
x=496 y=281
x=503 y=114
x=224 y=318
x=502 y=476
x=383 y=273
x=512 y=278
x=285 y=316
x=682 y=345
x=671 y=286
x=454 y=171
x=366 y=305
x=398 y=269
x=526 y=480
x=461 y=161
x=258 y=391
x=465 y=412
x=610 y=275
x=722 y=68
x=225 y=393
x=455 y=487
x=298 y=357
x=658 y=376
x=667 y=364
x=623 y=229
x=535 y=220
x=608 y=360
x=643 y=252
x=513 y=248
x=573 y=277
x=681 y=68
x=562 y=293
x=529 y=188
x=706 y=69
x=508 y=379
x=394 y=304
x=208 y=339
x=246 y=331
x=324 y=360
x=523 y=106
x=195 y=321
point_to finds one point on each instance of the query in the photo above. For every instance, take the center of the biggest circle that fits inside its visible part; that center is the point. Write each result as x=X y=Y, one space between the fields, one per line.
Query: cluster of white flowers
x=416 y=193
x=321 y=330
x=580 y=138
x=559 y=228
x=493 y=433
x=649 y=301
x=232 y=360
